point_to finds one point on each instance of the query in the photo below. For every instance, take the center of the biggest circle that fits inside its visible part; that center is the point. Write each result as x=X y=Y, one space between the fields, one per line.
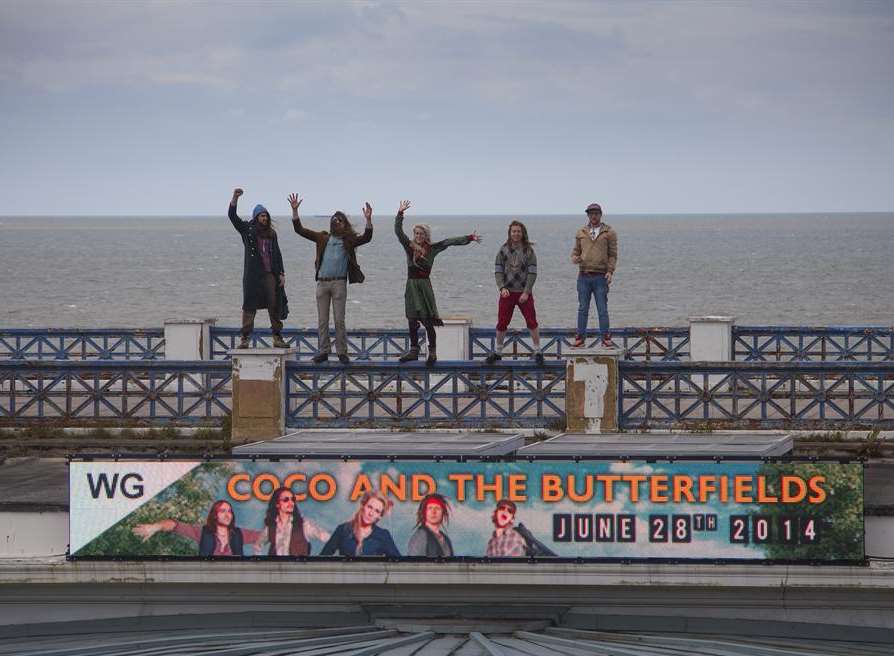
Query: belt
x=591 y=274
x=416 y=273
x=329 y=279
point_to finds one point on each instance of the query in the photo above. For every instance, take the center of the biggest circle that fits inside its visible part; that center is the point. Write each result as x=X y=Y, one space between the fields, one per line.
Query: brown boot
x=409 y=356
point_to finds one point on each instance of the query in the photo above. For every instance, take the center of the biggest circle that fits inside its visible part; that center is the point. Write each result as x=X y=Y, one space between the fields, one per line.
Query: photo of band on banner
x=785 y=510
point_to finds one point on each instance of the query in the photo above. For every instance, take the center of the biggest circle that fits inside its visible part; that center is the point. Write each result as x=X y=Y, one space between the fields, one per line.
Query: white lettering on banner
x=101 y=494
x=595 y=378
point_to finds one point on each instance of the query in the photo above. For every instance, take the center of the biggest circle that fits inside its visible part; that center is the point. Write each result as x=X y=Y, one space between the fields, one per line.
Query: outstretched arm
x=240 y=225
x=146 y=531
x=295 y=201
x=455 y=241
x=399 y=224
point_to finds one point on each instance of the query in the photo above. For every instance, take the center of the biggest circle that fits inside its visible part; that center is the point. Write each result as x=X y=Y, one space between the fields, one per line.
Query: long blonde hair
x=356 y=524
x=421 y=250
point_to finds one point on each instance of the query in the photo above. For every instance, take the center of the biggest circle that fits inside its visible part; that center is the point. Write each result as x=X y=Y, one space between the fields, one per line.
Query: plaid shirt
x=515 y=269
x=510 y=543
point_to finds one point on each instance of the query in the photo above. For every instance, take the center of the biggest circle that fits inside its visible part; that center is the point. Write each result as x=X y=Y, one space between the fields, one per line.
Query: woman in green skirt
x=419 y=297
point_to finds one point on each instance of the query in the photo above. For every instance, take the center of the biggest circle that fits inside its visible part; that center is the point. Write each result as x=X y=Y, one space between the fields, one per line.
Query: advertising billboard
x=590 y=510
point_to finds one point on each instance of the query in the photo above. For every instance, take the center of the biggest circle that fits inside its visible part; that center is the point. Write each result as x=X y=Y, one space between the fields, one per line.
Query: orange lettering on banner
x=608 y=480
x=482 y=488
x=290 y=481
x=518 y=487
x=762 y=495
x=634 y=480
x=460 y=480
x=819 y=494
x=707 y=484
x=683 y=488
x=234 y=493
x=658 y=489
x=362 y=485
x=397 y=490
x=257 y=486
x=416 y=481
x=584 y=496
x=315 y=482
x=551 y=488
x=724 y=489
x=788 y=494
x=743 y=486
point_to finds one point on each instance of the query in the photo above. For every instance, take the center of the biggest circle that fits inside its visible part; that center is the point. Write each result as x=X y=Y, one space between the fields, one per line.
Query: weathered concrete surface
x=591 y=390
x=259 y=403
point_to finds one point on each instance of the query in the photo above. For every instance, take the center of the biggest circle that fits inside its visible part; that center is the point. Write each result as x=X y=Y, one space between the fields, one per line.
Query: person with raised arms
x=419 y=297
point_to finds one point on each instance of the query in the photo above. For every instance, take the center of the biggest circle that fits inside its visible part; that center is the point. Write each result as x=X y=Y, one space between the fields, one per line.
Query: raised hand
x=236 y=193
x=404 y=206
x=368 y=212
x=475 y=236
x=294 y=201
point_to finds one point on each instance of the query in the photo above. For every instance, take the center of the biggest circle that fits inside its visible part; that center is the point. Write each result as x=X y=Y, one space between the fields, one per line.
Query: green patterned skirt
x=419 y=301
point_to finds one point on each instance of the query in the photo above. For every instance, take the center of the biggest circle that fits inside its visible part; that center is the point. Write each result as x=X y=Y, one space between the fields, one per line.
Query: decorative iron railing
x=646 y=344
x=117 y=392
x=388 y=394
x=363 y=345
x=812 y=343
x=82 y=344
x=804 y=395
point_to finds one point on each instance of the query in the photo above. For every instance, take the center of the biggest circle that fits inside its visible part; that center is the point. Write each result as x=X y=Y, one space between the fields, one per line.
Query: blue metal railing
x=118 y=392
x=389 y=394
x=661 y=344
x=745 y=395
x=647 y=344
x=813 y=343
x=82 y=344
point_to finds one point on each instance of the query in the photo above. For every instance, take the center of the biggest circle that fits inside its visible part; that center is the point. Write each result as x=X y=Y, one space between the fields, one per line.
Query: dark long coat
x=253 y=297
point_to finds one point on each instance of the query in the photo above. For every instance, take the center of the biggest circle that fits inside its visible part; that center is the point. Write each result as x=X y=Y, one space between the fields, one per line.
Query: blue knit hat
x=257 y=210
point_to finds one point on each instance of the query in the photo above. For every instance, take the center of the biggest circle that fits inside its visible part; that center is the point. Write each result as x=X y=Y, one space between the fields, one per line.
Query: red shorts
x=507 y=307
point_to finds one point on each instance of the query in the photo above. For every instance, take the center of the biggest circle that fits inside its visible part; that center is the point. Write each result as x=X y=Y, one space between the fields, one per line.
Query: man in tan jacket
x=596 y=253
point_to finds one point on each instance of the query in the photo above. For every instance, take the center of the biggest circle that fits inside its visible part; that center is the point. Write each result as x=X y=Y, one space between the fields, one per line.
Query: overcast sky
x=463 y=107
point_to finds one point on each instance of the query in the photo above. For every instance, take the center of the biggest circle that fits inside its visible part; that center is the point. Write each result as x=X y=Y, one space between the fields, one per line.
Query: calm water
x=764 y=269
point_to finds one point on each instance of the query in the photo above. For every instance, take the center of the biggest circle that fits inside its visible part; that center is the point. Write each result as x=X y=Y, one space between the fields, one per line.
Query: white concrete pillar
x=591 y=390
x=259 y=392
x=711 y=338
x=188 y=339
x=454 y=342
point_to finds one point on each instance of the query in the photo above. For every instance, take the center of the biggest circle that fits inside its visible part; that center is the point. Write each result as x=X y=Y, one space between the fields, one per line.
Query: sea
x=762 y=269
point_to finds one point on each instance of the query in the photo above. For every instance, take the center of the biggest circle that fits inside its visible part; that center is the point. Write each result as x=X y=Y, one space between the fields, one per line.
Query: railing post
x=188 y=339
x=454 y=342
x=259 y=392
x=711 y=338
x=592 y=386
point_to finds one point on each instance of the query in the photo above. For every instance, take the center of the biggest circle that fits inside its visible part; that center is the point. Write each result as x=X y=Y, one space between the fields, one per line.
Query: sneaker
x=493 y=357
x=279 y=342
x=538 y=358
x=431 y=359
x=578 y=341
x=343 y=358
x=412 y=354
x=243 y=343
x=320 y=357
x=607 y=342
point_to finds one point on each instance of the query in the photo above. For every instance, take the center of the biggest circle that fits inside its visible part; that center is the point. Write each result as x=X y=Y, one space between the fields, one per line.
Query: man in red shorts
x=515 y=270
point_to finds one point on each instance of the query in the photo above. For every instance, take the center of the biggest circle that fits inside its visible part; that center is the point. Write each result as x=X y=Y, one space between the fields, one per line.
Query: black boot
x=409 y=356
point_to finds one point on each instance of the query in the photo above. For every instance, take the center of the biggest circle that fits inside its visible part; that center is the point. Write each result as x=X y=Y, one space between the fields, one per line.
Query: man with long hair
x=429 y=538
x=515 y=270
x=287 y=532
x=596 y=253
x=336 y=266
x=263 y=273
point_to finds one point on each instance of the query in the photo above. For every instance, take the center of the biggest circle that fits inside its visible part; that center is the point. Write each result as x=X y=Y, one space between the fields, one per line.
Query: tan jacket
x=600 y=255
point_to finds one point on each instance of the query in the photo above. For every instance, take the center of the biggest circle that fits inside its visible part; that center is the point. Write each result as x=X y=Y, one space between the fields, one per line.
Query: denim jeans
x=595 y=285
